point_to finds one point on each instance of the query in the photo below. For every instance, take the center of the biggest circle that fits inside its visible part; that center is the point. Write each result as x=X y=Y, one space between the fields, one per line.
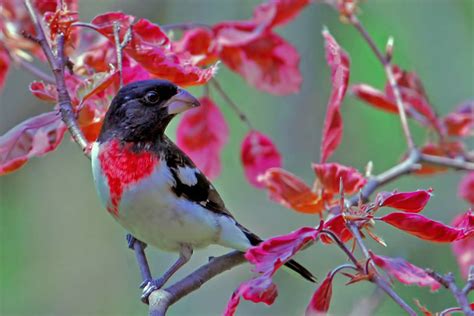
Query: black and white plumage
x=152 y=188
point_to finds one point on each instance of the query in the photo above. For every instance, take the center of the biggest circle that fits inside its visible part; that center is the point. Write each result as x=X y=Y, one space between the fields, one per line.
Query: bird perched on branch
x=152 y=188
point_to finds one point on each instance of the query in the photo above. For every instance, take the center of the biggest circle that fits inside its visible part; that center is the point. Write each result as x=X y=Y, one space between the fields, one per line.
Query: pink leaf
x=339 y=62
x=321 y=299
x=413 y=202
x=337 y=225
x=427 y=229
x=290 y=191
x=272 y=253
x=258 y=153
x=405 y=272
x=466 y=188
x=461 y=122
x=44 y=91
x=330 y=174
x=268 y=63
x=462 y=249
x=4 y=66
x=34 y=137
x=278 y=12
x=202 y=133
x=374 y=97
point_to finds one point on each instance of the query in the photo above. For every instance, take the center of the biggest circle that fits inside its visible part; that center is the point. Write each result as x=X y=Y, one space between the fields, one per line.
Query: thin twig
x=390 y=76
x=242 y=116
x=184 y=26
x=58 y=63
x=454 y=163
x=119 y=46
x=37 y=72
x=381 y=283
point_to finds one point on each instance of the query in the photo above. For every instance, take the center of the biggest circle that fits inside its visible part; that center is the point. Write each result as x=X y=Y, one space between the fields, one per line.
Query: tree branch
x=161 y=300
x=58 y=63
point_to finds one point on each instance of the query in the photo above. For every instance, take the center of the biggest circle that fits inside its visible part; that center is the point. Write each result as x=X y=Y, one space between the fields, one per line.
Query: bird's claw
x=132 y=240
x=149 y=287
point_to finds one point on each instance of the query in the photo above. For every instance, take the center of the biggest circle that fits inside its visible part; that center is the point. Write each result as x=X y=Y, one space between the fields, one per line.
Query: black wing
x=201 y=192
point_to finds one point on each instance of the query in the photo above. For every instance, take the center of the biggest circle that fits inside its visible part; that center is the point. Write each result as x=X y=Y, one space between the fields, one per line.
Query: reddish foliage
x=404 y=271
x=269 y=63
x=461 y=122
x=290 y=191
x=374 y=97
x=339 y=62
x=4 y=66
x=413 y=202
x=337 y=225
x=427 y=229
x=466 y=188
x=462 y=249
x=34 y=137
x=197 y=45
x=202 y=134
x=267 y=258
x=258 y=154
x=330 y=174
x=150 y=47
x=44 y=91
x=321 y=299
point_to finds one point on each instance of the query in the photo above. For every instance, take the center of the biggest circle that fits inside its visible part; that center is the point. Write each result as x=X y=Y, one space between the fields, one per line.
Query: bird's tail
x=291 y=264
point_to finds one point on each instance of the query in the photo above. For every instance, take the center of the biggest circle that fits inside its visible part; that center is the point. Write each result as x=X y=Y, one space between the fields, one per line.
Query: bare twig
x=37 y=72
x=390 y=76
x=119 y=46
x=57 y=63
x=242 y=116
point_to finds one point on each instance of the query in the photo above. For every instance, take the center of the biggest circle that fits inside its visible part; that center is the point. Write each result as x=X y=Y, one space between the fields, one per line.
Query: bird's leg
x=185 y=254
x=139 y=249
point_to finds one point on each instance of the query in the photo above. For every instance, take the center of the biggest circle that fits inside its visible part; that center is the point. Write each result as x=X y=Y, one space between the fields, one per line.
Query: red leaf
x=202 y=133
x=425 y=228
x=45 y=92
x=321 y=299
x=272 y=253
x=466 y=188
x=34 y=137
x=258 y=290
x=198 y=45
x=258 y=154
x=4 y=66
x=339 y=62
x=290 y=191
x=278 y=12
x=95 y=84
x=413 y=202
x=330 y=174
x=461 y=122
x=374 y=97
x=150 y=47
x=268 y=257
x=268 y=63
x=405 y=272
x=462 y=249
x=337 y=225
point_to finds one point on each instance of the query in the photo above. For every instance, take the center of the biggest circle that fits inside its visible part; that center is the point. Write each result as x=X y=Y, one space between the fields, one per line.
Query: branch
x=58 y=63
x=161 y=300
x=390 y=76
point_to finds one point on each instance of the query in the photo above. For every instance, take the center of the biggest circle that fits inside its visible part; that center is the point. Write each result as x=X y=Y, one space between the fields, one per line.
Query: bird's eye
x=152 y=97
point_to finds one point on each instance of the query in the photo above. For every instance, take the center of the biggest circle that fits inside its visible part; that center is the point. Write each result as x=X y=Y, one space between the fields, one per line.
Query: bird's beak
x=181 y=102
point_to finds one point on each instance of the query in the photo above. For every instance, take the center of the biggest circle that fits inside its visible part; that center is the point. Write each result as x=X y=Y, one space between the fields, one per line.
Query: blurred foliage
x=61 y=253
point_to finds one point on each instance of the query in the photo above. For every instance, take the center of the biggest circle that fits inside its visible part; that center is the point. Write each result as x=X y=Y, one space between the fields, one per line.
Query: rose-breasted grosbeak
x=152 y=188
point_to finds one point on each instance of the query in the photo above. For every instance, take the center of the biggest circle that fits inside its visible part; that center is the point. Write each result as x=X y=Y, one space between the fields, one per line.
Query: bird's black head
x=141 y=110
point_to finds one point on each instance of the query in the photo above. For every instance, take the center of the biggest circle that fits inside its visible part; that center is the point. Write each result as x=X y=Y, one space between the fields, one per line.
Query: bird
x=152 y=188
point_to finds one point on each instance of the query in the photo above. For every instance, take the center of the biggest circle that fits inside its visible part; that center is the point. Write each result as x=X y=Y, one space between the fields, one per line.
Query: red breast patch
x=122 y=167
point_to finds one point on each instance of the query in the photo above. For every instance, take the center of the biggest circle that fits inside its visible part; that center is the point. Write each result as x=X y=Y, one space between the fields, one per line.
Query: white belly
x=153 y=214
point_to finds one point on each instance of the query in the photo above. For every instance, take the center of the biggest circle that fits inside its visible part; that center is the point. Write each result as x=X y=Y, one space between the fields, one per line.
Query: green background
x=62 y=254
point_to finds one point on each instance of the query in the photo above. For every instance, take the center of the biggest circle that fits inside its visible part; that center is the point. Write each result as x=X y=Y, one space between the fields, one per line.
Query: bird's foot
x=132 y=240
x=150 y=286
